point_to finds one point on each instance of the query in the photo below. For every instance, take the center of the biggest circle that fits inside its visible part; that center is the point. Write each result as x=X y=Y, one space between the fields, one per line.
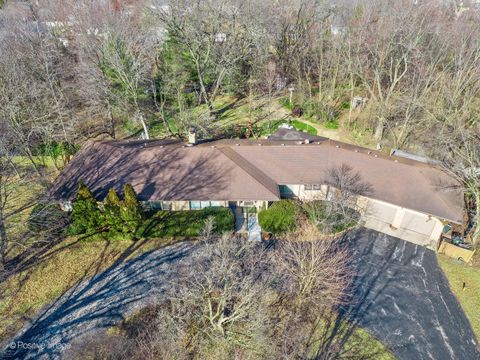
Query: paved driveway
x=404 y=300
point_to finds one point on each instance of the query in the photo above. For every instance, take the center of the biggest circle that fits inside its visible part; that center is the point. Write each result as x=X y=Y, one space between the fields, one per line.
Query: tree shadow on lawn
x=35 y=254
x=101 y=259
x=100 y=302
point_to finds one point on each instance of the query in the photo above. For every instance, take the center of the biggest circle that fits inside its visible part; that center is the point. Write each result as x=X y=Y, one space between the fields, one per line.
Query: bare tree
x=340 y=207
x=214 y=37
x=225 y=298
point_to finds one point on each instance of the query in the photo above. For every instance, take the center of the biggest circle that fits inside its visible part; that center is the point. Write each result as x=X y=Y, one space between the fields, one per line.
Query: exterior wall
x=298 y=191
x=180 y=205
x=406 y=224
x=400 y=222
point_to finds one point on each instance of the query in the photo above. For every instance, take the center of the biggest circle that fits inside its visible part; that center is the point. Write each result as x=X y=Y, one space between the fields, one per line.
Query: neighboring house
x=407 y=199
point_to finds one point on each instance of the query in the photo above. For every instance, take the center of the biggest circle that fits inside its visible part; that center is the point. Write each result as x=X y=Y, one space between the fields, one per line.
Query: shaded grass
x=76 y=259
x=458 y=273
x=63 y=266
x=23 y=192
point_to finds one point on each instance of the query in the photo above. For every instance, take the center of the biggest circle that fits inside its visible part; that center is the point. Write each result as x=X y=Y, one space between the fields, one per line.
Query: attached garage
x=406 y=224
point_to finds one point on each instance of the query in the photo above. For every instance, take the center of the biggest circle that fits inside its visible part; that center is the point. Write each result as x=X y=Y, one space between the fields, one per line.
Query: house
x=408 y=199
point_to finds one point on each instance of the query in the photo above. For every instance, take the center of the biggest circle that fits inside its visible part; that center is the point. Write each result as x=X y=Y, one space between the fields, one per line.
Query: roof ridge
x=262 y=178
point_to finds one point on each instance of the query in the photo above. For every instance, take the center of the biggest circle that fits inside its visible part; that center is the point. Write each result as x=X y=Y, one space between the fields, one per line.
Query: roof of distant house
x=233 y=169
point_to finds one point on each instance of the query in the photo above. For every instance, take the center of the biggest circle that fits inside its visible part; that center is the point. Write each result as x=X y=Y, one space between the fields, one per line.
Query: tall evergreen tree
x=131 y=212
x=86 y=214
x=112 y=206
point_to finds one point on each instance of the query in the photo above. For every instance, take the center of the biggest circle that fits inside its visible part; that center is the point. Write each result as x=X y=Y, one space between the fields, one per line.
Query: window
x=308 y=187
x=204 y=204
x=195 y=205
x=317 y=187
x=166 y=205
x=285 y=191
x=247 y=203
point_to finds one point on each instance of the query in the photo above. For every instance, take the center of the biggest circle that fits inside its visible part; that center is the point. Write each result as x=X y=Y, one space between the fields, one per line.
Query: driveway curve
x=404 y=300
x=401 y=297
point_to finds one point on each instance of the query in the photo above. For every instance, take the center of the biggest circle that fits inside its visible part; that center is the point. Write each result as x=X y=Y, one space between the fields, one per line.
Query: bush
x=224 y=218
x=47 y=217
x=297 y=111
x=331 y=124
x=280 y=217
x=329 y=217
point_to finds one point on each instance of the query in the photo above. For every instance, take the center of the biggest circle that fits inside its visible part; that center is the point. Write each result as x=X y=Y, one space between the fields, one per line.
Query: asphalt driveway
x=403 y=299
x=401 y=296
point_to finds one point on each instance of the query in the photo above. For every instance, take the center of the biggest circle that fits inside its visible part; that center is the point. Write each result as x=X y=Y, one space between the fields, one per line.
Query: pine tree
x=131 y=213
x=86 y=215
x=112 y=206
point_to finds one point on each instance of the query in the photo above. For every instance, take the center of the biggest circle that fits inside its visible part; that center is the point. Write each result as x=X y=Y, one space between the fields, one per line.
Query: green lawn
x=457 y=274
x=301 y=126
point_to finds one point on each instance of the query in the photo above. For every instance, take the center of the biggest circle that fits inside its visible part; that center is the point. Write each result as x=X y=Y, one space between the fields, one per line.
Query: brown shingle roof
x=409 y=184
x=157 y=172
x=252 y=170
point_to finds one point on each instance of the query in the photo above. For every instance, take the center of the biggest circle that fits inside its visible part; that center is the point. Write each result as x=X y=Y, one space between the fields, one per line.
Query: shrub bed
x=280 y=217
x=186 y=223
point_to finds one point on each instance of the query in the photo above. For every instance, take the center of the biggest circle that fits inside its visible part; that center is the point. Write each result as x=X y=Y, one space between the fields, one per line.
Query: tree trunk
x=476 y=228
x=112 y=124
x=379 y=129
x=144 y=125
x=3 y=242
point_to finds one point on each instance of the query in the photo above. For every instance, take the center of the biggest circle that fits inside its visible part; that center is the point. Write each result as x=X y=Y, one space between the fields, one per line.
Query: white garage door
x=403 y=223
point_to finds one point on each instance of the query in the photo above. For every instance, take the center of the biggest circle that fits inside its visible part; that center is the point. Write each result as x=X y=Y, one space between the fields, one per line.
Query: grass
x=76 y=259
x=331 y=124
x=285 y=102
x=458 y=273
x=23 y=191
x=63 y=266
x=301 y=126
x=368 y=347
